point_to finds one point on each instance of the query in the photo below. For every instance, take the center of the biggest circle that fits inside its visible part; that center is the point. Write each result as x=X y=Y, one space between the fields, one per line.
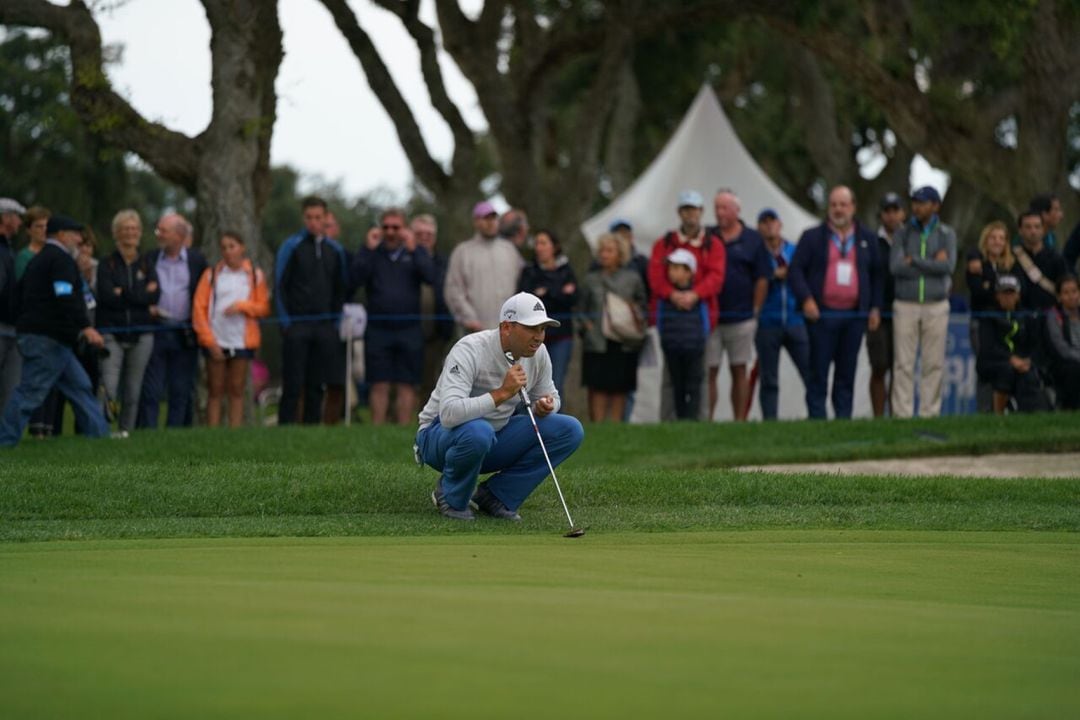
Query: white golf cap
x=8 y=205
x=682 y=256
x=526 y=309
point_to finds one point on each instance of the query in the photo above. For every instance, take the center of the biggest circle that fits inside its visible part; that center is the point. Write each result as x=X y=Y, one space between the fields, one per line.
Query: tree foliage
x=49 y=157
x=579 y=96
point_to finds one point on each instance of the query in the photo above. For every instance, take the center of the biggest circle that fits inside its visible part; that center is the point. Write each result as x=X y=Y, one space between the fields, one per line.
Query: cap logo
x=510 y=314
x=538 y=307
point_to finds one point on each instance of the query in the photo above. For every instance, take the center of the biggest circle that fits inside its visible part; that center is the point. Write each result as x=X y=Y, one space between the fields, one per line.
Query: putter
x=573 y=532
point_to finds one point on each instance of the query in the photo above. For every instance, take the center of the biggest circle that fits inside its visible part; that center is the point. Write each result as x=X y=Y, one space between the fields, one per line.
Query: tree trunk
x=234 y=152
x=227 y=166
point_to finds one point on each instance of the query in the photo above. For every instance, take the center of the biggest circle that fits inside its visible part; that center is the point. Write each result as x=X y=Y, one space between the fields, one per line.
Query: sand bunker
x=1060 y=465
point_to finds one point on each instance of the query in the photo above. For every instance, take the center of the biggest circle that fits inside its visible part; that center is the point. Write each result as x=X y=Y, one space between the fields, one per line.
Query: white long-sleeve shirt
x=475 y=366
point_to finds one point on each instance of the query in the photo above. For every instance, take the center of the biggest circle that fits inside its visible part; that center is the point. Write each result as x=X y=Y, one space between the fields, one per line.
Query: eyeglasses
x=391 y=227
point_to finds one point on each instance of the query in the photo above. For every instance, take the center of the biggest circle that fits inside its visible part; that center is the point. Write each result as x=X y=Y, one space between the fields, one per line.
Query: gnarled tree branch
x=170 y=153
x=427 y=170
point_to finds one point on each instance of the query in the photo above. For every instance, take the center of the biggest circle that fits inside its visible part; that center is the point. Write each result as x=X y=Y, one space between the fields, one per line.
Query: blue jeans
x=560 y=352
x=769 y=341
x=834 y=339
x=47 y=363
x=169 y=374
x=513 y=454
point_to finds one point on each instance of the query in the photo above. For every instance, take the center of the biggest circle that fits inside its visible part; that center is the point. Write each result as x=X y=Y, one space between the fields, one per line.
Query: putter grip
x=524 y=395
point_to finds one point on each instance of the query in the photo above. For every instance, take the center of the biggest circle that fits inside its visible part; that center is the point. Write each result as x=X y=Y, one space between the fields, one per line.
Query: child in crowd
x=1063 y=333
x=229 y=300
x=1006 y=342
x=683 y=333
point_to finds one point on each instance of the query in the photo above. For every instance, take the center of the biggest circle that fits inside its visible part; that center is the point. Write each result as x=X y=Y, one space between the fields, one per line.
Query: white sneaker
x=119 y=435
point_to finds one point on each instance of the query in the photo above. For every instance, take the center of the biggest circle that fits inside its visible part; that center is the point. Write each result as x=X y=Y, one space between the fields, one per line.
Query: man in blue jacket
x=311 y=282
x=836 y=277
x=392 y=272
x=781 y=324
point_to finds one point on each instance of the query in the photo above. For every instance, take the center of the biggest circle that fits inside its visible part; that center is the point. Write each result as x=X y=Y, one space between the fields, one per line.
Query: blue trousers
x=834 y=340
x=47 y=363
x=170 y=374
x=462 y=453
x=769 y=340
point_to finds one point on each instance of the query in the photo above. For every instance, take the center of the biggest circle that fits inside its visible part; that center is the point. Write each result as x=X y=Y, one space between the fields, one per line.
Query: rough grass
x=361 y=481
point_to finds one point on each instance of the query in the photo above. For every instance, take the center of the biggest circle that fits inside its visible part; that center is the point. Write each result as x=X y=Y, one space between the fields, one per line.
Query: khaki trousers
x=914 y=325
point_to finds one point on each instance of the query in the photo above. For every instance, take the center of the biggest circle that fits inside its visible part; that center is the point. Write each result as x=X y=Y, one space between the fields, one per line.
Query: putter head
x=575 y=532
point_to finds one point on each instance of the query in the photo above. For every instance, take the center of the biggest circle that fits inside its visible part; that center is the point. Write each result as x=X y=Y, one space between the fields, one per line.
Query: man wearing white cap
x=468 y=426
x=11 y=213
x=483 y=272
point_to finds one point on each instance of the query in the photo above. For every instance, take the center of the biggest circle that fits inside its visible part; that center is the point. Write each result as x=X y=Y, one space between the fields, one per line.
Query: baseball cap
x=9 y=205
x=1007 y=283
x=619 y=223
x=526 y=309
x=58 y=223
x=691 y=198
x=891 y=200
x=767 y=214
x=682 y=256
x=483 y=209
x=926 y=194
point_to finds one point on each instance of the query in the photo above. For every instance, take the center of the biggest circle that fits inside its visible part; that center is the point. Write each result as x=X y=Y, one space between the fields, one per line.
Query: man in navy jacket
x=836 y=277
x=174 y=361
x=311 y=276
x=52 y=321
x=392 y=272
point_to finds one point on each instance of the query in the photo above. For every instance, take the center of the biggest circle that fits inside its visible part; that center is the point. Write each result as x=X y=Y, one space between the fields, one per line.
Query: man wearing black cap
x=1006 y=344
x=51 y=322
x=11 y=213
x=922 y=261
x=879 y=342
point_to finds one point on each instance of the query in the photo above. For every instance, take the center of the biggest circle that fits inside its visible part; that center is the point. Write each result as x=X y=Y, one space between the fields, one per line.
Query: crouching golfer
x=468 y=426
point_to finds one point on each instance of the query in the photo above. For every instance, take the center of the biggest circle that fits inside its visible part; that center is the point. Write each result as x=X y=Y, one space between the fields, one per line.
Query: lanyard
x=924 y=234
x=843 y=245
x=1014 y=328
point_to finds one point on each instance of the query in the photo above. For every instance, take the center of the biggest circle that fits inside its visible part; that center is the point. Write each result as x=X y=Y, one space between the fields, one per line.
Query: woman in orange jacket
x=230 y=298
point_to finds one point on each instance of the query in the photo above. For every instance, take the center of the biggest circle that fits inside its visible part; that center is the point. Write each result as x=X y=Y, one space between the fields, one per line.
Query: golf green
x=764 y=624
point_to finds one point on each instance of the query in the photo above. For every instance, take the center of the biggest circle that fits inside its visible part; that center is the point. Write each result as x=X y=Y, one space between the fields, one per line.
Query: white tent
x=705 y=154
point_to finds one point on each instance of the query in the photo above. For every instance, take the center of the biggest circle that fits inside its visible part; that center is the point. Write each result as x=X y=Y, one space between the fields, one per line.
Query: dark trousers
x=687 y=372
x=43 y=421
x=312 y=356
x=769 y=341
x=1067 y=385
x=170 y=374
x=89 y=361
x=834 y=340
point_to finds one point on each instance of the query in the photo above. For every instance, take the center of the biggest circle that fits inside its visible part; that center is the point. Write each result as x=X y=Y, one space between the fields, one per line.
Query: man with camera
x=392 y=272
x=52 y=321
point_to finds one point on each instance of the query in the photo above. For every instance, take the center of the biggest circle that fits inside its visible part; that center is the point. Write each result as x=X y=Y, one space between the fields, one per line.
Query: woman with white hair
x=127 y=286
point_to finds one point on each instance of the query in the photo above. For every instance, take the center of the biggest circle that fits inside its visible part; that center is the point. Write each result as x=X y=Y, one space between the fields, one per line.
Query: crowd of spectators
x=117 y=337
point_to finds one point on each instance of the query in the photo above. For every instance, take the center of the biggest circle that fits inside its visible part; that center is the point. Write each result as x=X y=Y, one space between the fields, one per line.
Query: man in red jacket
x=707 y=249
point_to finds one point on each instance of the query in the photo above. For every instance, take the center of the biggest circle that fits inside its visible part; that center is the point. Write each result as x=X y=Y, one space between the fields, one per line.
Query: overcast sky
x=329 y=122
